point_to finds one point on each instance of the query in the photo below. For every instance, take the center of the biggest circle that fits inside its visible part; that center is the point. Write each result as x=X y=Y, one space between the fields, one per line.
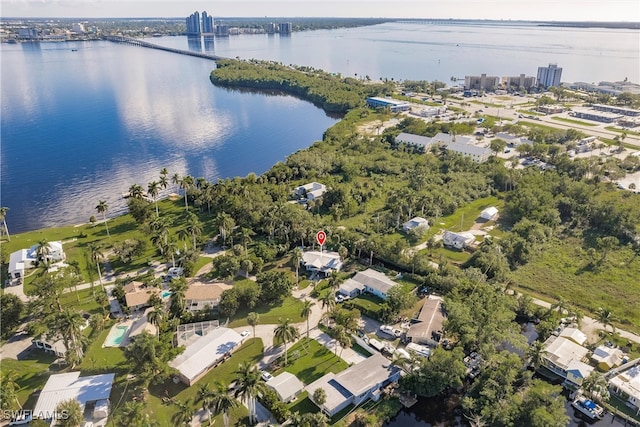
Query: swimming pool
x=115 y=337
x=166 y=294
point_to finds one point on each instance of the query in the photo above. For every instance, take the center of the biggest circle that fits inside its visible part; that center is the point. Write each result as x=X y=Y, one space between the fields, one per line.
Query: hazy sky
x=549 y=10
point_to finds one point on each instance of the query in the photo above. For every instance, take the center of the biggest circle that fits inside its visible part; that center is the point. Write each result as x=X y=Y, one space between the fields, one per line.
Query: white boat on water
x=588 y=407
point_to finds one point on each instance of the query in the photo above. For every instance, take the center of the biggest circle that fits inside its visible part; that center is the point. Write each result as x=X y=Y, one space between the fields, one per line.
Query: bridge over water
x=142 y=43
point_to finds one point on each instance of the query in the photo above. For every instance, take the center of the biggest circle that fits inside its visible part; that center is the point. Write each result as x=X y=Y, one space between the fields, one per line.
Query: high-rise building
x=518 y=82
x=222 y=30
x=481 y=82
x=549 y=76
x=285 y=28
x=207 y=23
x=193 y=23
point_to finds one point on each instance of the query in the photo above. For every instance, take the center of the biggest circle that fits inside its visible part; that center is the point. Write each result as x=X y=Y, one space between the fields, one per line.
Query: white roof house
x=564 y=357
x=324 y=262
x=312 y=190
x=489 y=213
x=457 y=240
x=607 y=357
x=205 y=352
x=24 y=259
x=61 y=387
x=415 y=223
x=627 y=384
x=286 y=385
x=445 y=138
x=574 y=334
x=351 y=288
x=356 y=384
x=375 y=282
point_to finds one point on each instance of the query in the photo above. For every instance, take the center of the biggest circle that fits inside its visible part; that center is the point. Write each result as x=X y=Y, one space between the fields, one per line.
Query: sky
x=538 y=10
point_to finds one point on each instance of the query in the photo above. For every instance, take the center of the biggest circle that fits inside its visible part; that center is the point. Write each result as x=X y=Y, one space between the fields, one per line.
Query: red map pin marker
x=321 y=236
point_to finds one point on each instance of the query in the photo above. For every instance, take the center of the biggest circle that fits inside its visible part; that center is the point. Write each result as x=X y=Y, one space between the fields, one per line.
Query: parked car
x=244 y=334
x=21 y=418
x=266 y=376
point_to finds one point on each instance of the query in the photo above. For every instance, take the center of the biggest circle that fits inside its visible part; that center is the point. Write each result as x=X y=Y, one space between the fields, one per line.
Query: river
x=81 y=122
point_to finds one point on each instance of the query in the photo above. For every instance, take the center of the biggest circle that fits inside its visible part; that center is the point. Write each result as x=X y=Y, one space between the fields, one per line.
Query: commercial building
x=616 y=110
x=193 y=24
x=519 y=82
x=415 y=140
x=610 y=88
x=550 y=109
x=207 y=23
x=549 y=76
x=598 y=116
x=477 y=154
x=286 y=28
x=481 y=82
x=392 y=105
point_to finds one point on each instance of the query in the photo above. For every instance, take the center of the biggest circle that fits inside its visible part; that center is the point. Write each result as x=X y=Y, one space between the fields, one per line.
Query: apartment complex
x=549 y=76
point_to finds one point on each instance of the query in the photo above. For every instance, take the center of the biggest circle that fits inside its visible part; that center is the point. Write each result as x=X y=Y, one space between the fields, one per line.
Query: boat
x=74 y=50
x=588 y=407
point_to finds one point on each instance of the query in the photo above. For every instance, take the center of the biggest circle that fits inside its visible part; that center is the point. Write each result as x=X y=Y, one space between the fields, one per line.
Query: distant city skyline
x=542 y=10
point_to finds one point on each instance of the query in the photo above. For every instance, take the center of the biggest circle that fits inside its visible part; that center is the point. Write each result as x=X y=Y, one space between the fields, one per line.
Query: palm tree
x=186 y=183
x=605 y=316
x=102 y=208
x=184 y=416
x=164 y=172
x=306 y=312
x=193 y=227
x=226 y=224
x=73 y=413
x=96 y=256
x=69 y=325
x=205 y=396
x=316 y=419
x=245 y=234
x=153 y=189
x=248 y=385
x=286 y=333
x=344 y=339
x=223 y=402
x=136 y=191
x=328 y=301
x=178 y=289
x=42 y=251
x=3 y=220
x=334 y=280
x=297 y=256
x=596 y=385
x=132 y=414
x=253 y=319
x=160 y=228
x=9 y=390
x=155 y=317
x=176 y=180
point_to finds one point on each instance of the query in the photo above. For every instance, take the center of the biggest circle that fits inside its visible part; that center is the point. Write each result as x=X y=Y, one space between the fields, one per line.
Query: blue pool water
x=115 y=337
x=166 y=294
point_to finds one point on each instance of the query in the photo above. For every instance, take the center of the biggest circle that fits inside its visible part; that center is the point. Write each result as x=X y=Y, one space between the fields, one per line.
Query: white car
x=244 y=334
x=266 y=376
x=22 y=418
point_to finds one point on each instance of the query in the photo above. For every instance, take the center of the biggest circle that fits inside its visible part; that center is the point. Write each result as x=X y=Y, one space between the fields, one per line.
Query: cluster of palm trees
x=3 y=222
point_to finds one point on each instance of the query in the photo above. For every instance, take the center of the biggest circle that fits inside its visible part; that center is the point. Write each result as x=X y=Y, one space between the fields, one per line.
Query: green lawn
x=202 y=261
x=575 y=122
x=368 y=304
x=314 y=361
x=530 y=113
x=463 y=218
x=628 y=132
x=30 y=374
x=562 y=269
x=289 y=308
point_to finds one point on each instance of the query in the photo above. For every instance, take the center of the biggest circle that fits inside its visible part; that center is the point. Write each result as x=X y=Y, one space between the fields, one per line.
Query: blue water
x=81 y=126
x=77 y=127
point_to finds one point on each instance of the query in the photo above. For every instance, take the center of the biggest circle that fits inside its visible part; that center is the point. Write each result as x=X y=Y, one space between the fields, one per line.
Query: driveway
x=17 y=347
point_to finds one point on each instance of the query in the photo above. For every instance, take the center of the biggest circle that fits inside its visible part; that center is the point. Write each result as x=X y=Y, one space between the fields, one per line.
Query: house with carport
x=287 y=386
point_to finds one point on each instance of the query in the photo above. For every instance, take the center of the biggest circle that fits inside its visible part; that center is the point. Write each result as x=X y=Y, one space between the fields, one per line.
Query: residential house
x=286 y=385
x=57 y=347
x=356 y=384
x=564 y=357
x=312 y=191
x=25 y=259
x=574 y=334
x=204 y=352
x=607 y=357
x=427 y=328
x=200 y=297
x=91 y=391
x=489 y=213
x=626 y=384
x=457 y=240
x=351 y=288
x=321 y=262
x=374 y=282
x=137 y=295
x=415 y=223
